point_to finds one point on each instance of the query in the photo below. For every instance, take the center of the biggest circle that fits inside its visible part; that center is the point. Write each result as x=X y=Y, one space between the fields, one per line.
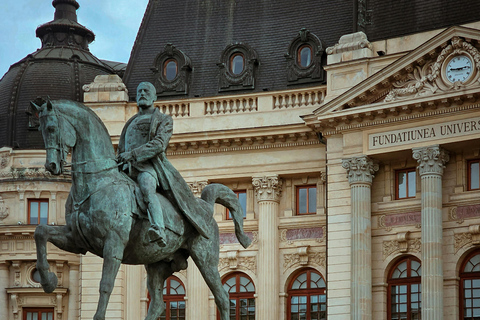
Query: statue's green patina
x=108 y=214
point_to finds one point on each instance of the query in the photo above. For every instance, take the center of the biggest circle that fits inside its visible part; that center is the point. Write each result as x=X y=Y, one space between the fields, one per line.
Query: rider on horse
x=142 y=146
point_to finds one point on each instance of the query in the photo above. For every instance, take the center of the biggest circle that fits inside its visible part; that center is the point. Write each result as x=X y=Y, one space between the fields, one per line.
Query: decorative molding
x=401 y=244
x=291 y=235
x=426 y=77
x=303 y=257
x=244 y=80
x=231 y=238
x=233 y=262
x=360 y=169
x=400 y=219
x=17 y=279
x=470 y=238
x=267 y=188
x=431 y=160
x=350 y=42
x=4 y=210
x=460 y=213
x=197 y=187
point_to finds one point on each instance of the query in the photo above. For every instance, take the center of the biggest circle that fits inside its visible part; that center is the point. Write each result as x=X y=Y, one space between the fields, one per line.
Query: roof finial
x=65 y=9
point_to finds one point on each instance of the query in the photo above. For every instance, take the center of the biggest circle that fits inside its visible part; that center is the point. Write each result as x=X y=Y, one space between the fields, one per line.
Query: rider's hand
x=126 y=157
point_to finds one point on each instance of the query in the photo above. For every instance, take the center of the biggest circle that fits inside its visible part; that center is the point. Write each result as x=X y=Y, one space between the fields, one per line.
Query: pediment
x=418 y=74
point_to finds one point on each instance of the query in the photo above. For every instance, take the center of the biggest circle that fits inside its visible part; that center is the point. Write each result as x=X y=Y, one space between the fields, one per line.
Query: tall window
x=404 y=298
x=37 y=211
x=38 y=314
x=241 y=291
x=474 y=174
x=307 y=200
x=174 y=297
x=470 y=287
x=304 y=56
x=307 y=297
x=242 y=197
x=405 y=182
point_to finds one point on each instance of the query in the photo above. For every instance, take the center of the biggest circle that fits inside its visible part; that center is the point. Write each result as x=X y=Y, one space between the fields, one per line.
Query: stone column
x=431 y=162
x=360 y=172
x=74 y=291
x=4 y=284
x=268 y=189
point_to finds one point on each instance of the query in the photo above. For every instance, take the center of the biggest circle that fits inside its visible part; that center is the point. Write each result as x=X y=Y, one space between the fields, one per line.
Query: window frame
x=239 y=295
x=466 y=276
x=469 y=174
x=408 y=281
x=305 y=292
x=39 y=215
x=230 y=66
x=39 y=310
x=164 y=72
x=297 y=199
x=237 y=193
x=397 y=189
x=299 y=57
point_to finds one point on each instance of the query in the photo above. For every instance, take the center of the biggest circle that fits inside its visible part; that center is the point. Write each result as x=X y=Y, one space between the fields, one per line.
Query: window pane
x=237 y=64
x=312 y=200
x=43 y=212
x=474 y=175
x=171 y=70
x=411 y=183
x=302 y=200
x=242 y=197
x=305 y=56
x=402 y=185
x=34 y=212
x=29 y=316
x=50 y=316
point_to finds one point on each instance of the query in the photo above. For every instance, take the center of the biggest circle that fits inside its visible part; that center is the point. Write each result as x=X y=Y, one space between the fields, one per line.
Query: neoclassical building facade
x=360 y=183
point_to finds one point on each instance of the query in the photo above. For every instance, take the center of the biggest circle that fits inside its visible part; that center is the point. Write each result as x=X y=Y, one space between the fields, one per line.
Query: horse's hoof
x=51 y=283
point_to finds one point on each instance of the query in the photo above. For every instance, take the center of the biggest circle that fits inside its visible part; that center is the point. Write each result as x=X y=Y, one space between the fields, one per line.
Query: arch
x=404 y=289
x=306 y=295
x=174 y=296
x=469 y=287
x=241 y=290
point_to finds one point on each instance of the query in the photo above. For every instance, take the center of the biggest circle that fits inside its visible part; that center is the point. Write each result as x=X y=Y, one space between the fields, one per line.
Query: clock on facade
x=459 y=68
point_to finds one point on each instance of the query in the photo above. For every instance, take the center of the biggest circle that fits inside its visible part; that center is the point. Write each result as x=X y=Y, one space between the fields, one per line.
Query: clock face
x=459 y=69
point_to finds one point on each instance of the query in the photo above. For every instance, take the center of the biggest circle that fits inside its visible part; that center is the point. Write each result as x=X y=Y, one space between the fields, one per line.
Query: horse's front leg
x=61 y=237
x=112 y=259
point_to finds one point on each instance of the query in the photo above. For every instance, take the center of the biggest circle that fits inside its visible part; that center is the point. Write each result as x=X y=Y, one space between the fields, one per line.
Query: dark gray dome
x=58 y=70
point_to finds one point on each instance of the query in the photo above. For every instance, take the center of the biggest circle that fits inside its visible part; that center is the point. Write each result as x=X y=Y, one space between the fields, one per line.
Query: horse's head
x=58 y=136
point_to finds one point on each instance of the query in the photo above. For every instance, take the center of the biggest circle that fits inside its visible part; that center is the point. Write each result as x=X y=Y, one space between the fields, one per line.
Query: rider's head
x=146 y=94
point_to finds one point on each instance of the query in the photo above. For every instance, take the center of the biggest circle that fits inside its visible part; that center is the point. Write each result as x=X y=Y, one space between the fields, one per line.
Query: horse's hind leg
x=60 y=236
x=157 y=273
x=205 y=254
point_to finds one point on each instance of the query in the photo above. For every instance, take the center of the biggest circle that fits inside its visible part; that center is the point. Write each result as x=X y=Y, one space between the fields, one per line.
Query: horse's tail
x=218 y=193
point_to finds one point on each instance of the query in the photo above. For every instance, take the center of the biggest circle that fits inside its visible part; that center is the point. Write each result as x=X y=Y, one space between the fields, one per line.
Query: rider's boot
x=156 y=232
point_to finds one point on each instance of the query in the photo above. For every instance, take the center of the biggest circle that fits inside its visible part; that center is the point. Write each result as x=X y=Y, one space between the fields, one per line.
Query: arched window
x=304 y=56
x=404 y=290
x=307 y=297
x=470 y=287
x=240 y=289
x=237 y=63
x=174 y=297
x=170 y=69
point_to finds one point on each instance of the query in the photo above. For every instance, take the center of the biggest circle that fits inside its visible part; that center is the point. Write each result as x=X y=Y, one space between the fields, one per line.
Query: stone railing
x=175 y=109
x=300 y=98
x=239 y=104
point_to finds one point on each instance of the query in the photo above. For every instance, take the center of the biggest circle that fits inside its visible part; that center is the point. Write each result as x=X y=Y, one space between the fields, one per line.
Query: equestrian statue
x=133 y=208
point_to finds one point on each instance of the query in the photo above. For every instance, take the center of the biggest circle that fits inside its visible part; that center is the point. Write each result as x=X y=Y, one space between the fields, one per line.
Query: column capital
x=431 y=160
x=267 y=188
x=360 y=169
x=197 y=187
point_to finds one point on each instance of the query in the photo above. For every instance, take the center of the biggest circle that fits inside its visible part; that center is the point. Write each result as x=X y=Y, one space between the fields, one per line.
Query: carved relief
x=267 y=188
x=27 y=173
x=401 y=244
x=472 y=237
x=459 y=214
x=303 y=257
x=426 y=78
x=4 y=210
x=399 y=219
x=245 y=79
x=360 y=169
x=197 y=187
x=431 y=160
x=234 y=262
x=291 y=235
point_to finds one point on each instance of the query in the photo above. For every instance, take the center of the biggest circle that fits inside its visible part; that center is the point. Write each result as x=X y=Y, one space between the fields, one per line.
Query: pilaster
x=74 y=291
x=197 y=293
x=360 y=173
x=268 y=191
x=431 y=163
x=4 y=284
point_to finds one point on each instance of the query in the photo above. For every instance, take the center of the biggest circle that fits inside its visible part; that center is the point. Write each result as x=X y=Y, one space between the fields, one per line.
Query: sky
x=115 y=24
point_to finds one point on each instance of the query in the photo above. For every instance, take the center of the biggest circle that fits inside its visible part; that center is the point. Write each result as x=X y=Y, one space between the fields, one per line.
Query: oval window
x=237 y=63
x=170 y=69
x=305 y=56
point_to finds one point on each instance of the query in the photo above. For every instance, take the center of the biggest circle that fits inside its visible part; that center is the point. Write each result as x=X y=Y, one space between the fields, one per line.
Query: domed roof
x=58 y=70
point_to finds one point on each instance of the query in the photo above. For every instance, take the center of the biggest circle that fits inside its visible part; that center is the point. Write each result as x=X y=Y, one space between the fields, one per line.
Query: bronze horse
x=103 y=217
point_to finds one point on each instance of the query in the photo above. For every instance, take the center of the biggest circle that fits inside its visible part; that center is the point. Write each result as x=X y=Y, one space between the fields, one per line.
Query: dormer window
x=170 y=69
x=237 y=65
x=305 y=59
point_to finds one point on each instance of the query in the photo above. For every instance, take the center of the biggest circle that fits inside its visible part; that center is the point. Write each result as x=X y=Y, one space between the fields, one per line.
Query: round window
x=170 y=69
x=304 y=56
x=237 y=63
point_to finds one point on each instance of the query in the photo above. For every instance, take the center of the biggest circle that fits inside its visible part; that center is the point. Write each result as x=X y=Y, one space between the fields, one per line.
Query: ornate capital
x=360 y=169
x=197 y=187
x=267 y=188
x=431 y=160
